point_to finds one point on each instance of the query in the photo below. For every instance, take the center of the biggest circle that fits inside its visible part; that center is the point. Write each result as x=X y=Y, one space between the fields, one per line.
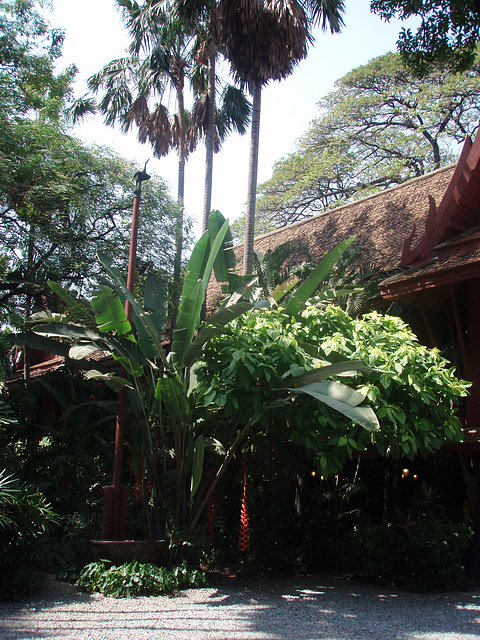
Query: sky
x=94 y=36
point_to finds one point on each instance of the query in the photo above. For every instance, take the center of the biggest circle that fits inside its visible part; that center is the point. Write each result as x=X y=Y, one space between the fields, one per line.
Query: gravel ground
x=307 y=608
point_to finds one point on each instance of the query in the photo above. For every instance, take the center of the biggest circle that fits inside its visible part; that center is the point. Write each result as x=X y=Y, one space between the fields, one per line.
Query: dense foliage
x=427 y=553
x=412 y=389
x=448 y=32
x=26 y=524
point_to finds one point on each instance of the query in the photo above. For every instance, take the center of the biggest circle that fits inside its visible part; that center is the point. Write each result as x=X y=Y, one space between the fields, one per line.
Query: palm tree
x=207 y=121
x=275 y=266
x=264 y=40
x=161 y=57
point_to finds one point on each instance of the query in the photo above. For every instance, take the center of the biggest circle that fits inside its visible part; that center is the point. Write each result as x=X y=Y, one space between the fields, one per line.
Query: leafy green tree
x=62 y=201
x=59 y=200
x=448 y=33
x=265 y=41
x=29 y=49
x=381 y=126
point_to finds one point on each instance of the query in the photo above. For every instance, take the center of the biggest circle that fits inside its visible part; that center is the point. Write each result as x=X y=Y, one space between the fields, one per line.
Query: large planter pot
x=123 y=551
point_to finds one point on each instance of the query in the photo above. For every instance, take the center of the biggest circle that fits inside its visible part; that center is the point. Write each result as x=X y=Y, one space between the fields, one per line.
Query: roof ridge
x=353 y=203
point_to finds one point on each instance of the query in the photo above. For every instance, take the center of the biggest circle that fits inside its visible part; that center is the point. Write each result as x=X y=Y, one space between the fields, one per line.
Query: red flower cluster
x=243 y=535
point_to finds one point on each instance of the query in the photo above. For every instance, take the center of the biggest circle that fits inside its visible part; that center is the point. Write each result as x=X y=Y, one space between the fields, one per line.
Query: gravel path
x=313 y=608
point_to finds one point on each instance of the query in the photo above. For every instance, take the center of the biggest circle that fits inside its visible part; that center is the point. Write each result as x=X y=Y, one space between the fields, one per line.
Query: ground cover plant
x=137 y=579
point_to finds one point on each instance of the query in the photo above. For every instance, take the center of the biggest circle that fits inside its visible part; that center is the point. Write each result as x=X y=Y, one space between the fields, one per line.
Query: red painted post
x=114 y=518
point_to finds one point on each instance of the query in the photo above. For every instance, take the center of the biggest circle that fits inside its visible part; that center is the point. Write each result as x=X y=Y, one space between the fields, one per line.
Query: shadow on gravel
x=337 y=609
x=307 y=608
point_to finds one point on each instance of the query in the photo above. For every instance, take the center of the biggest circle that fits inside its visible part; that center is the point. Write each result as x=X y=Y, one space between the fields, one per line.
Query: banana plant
x=161 y=387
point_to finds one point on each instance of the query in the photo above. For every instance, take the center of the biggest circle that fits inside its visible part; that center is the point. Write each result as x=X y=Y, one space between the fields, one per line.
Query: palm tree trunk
x=207 y=204
x=252 y=180
x=180 y=192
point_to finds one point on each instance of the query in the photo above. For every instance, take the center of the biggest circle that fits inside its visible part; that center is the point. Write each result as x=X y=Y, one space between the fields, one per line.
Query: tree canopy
x=60 y=201
x=380 y=127
x=448 y=32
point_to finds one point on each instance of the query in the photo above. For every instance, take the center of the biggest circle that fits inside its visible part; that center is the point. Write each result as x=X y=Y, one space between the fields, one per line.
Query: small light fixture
x=405 y=473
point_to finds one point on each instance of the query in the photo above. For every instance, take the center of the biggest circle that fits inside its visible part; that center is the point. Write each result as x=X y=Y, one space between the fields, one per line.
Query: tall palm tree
x=264 y=40
x=208 y=121
x=161 y=58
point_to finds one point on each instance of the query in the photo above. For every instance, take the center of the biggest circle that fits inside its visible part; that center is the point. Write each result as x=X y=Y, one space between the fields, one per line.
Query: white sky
x=94 y=36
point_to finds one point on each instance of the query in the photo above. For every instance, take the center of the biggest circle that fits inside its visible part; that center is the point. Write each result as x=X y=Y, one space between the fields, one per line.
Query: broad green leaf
x=335 y=390
x=216 y=323
x=109 y=311
x=171 y=392
x=239 y=284
x=140 y=318
x=339 y=397
x=186 y=324
x=111 y=380
x=296 y=303
x=196 y=265
x=197 y=465
x=226 y=260
x=80 y=351
x=156 y=301
x=77 y=308
x=40 y=342
x=282 y=289
x=342 y=399
x=71 y=332
x=346 y=368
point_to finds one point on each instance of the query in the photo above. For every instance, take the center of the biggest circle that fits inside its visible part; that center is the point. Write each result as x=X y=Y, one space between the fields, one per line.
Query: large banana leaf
x=113 y=381
x=346 y=368
x=71 y=332
x=191 y=305
x=42 y=343
x=225 y=261
x=82 y=350
x=155 y=301
x=77 y=309
x=216 y=324
x=196 y=265
x=109 y=312
x=148 y=336
x=283 y=288
x=338 y=396
x=171 y=391
x=186 y=325
x=296 y=303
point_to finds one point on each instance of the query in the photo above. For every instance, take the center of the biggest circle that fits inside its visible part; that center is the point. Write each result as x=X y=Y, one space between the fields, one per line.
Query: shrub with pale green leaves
x=413 y=390
x=137 y=579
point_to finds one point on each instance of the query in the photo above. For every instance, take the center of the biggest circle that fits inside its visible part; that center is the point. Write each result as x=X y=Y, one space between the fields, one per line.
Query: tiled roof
x=379 y=222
